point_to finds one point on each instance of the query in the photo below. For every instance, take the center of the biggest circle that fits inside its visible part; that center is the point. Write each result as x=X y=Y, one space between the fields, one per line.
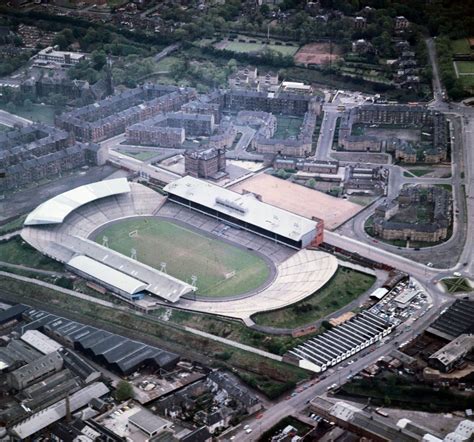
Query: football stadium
x=201 y=246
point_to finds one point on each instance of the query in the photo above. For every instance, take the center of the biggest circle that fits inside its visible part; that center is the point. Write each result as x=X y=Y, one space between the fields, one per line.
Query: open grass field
x=141 y=155
x=468 y=82
x=345 y=286
x=465 y=67
x=221 y=268
x=43 y=114
x=238 y=46
x=461 y=46
x=287 y=127
x=457 y=285
x=418 y=172
x=166 y=63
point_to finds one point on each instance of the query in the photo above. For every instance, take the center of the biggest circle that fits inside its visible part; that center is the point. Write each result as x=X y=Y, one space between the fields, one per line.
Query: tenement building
x=431 y=148
x=111 y=116
x=208 y=164
x=36 y=152
x=365 y=180
x=170 y=129
x=418 y=214
x=224 y=137
x=299 y=146
x=278 y=103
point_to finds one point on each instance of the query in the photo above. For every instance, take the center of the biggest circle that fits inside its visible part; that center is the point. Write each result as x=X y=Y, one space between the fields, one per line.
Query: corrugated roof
x=108 y=275
x=40 y=342
x=57 y=411
x=14 y=312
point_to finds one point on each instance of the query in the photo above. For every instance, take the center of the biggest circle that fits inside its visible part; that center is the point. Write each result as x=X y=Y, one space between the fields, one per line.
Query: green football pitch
x=221 y=268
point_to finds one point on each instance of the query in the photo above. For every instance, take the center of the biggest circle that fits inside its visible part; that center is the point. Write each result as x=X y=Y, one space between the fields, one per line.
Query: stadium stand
x=246 y=211
x=59 y=228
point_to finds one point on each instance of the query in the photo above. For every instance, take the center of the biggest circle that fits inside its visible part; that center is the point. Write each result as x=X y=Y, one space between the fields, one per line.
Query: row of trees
x=453 y=85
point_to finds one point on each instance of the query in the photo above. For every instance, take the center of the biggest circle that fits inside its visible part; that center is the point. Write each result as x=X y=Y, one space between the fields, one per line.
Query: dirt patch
x=299 y=199
x=317 y=53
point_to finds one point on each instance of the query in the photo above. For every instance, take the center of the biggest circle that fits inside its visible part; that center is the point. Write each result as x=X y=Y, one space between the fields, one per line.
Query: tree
x=98 y=59
x=27 y=104
x=264 y=10
x=124 y=391
x=312 y=183
x=61 y=41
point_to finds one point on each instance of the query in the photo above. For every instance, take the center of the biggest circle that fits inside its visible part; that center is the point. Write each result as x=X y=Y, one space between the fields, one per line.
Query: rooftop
x=40 y=341
x=56 y=209
x=108 y=275
x=244 y=207
x=455 y=349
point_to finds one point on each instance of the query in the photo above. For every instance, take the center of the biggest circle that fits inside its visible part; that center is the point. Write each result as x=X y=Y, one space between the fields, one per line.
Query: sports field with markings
x=221 y=269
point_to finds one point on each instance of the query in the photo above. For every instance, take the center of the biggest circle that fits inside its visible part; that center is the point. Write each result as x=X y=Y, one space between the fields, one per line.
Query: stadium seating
x=70 y=238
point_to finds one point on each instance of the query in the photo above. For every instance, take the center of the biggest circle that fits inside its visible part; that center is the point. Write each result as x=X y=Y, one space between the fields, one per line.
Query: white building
x=52 y=55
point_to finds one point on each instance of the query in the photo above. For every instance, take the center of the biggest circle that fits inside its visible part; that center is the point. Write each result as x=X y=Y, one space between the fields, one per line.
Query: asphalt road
x=463 y=161
x=293 y=405
x=8 y=119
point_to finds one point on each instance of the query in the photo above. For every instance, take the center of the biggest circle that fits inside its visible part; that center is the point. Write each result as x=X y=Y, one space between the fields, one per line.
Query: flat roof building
x=148 y=422
x=61 y=57
x=446 y=358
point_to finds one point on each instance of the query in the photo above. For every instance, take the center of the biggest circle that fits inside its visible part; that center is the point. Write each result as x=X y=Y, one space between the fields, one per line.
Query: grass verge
x=17 y=251
x=457 y=285
x=14 y=224
x=345 y=286
x=230 y=329
x=251 y=367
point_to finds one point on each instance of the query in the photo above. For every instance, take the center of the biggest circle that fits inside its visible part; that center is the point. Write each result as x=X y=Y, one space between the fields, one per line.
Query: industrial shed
x=117 y=353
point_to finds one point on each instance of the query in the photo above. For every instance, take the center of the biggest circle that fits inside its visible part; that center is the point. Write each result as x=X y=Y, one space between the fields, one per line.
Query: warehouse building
x=117 y=353
x=35 y=370
x=448 y=356
x=341 y=342
x=40 y=342
x=37 y=421
x=246 y=212
x=456 y=320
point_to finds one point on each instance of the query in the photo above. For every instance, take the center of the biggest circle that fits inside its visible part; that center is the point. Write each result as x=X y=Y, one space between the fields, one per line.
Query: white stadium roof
x=246 y=208
x=55 y=210
x=108 y=275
